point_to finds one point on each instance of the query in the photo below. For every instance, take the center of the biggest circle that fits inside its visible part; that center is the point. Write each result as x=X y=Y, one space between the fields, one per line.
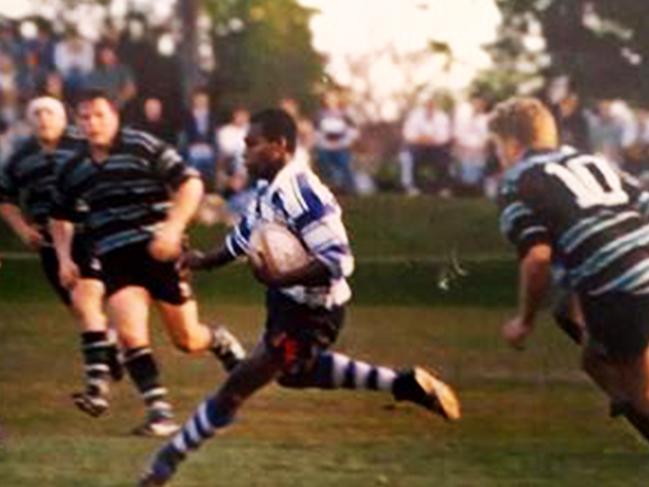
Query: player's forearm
x=14 y=218
x=62 y=234
x=535 y=276
x=185 y=203
x=213 y=259
x=314 y=273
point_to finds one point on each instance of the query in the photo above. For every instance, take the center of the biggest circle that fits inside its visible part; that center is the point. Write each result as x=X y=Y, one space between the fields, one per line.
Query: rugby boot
x=425 y=389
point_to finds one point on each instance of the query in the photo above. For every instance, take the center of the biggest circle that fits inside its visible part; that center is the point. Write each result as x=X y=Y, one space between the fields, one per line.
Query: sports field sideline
x=530 y=418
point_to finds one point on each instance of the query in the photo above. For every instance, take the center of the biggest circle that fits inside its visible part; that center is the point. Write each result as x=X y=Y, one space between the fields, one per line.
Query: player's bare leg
x=129 y=310
x=569 y=317
x=190 y=335
x=605 y=374
x=635 y=373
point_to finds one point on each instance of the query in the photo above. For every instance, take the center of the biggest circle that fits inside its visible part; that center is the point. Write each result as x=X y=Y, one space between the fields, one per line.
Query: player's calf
x=97 y=349
x=144 y=372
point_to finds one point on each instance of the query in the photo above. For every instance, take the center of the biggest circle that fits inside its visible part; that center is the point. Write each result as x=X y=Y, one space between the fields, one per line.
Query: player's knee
x=88 y=315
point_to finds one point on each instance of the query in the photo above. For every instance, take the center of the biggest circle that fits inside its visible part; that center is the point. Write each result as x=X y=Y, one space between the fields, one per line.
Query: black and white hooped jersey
x=590 y=213
x=127 y=195
x=28 y=178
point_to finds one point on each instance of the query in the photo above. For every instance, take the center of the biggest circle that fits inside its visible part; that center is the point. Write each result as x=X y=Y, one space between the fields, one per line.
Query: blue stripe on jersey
x=511 y=214
x=608 y=253
x=276 y=200
x=630 y=280
x=314 y=208
x=576 y=229
x=332 y=256
x=531 y=231
x=587 y=231
x=238 y=240
x=127 y=213
x=127 y=237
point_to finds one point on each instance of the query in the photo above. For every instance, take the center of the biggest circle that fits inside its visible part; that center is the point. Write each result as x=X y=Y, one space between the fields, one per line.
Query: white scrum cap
x=46 y=103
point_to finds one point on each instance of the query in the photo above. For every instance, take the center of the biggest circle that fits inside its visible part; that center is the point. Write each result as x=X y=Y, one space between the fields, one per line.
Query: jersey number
x=591 y=180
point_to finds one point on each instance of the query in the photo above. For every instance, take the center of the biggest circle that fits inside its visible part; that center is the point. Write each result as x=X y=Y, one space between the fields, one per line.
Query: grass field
x=530 y=418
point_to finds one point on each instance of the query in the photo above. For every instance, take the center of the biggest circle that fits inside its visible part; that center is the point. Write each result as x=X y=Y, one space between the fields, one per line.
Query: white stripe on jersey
x=607 y=254
x=631 y=280
x=600 y=227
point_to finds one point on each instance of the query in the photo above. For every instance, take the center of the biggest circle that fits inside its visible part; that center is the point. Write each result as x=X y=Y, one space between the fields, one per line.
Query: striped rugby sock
x=142 y=368
x=96 y=349
x=200 y=427
x=335 y=370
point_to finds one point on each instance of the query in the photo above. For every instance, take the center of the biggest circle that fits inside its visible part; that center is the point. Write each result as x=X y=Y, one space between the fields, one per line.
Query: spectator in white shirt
x=427 y=134
x=231 y=173
x=471 y=136
x=335 y=134
x=74 y=58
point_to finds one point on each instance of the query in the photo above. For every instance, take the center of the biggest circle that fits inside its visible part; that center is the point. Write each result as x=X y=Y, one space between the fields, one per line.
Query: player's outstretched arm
x=535 y=276
x=197 y=260
x=167 y=242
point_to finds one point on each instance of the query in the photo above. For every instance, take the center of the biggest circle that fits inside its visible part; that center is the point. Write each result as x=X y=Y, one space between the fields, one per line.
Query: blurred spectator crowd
x=440 y=146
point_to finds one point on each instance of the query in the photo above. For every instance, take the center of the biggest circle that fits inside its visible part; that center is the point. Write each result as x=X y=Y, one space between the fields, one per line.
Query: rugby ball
x=281 y=249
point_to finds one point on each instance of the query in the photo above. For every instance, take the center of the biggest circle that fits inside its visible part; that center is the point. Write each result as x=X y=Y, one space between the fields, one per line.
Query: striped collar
x=283 y=175
x=534 y=158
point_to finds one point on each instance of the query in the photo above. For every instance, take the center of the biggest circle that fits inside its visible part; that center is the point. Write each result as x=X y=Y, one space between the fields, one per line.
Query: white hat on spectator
x=45 y=103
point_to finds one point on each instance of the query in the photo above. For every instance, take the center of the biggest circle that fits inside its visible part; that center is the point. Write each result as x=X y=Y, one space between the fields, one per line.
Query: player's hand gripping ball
x=275 y=251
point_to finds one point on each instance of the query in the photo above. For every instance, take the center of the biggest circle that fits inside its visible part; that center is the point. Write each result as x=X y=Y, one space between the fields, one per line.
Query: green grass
x=390 y=225
x=530 y=418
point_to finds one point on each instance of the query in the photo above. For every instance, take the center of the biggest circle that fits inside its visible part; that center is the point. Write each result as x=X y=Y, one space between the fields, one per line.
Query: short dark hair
x=90 y=94
x=200 y=90
x=275 y=125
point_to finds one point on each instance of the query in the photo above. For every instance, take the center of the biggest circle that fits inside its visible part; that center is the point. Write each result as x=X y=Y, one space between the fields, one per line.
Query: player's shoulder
x=23 y=150
x=71 y=143
x=531 y=170
x=300 y=190
x=73 y=162
x=140 y=140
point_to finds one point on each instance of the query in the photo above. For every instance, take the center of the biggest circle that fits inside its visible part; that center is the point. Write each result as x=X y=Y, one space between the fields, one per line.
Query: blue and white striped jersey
x=591 y=214
x=298 y=200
